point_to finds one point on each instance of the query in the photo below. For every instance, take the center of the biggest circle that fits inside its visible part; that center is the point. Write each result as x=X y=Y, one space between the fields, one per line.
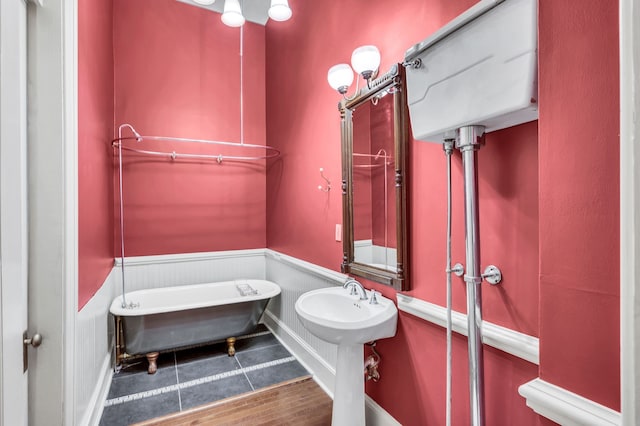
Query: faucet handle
x=373 y=300
x=353 y=291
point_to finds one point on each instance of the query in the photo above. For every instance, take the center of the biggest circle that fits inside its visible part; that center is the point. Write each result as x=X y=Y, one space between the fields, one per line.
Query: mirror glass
x=373 y=173
x=374 y=138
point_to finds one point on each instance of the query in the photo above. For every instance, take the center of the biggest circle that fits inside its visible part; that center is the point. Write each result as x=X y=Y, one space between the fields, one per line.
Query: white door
x=13 y=212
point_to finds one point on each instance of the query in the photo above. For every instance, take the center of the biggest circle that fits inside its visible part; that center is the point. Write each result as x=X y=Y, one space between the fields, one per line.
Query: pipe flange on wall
x=492 y=275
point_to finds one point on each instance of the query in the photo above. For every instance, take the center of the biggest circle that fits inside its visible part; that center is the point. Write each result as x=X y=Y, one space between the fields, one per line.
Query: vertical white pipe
x=124 y=301
x=242 y=85
x=469 y=141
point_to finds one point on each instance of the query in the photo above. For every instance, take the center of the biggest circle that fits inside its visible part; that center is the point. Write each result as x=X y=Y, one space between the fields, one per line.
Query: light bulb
x=340 y=77
x=279 y=10
x=365 y=60
x=232 y=15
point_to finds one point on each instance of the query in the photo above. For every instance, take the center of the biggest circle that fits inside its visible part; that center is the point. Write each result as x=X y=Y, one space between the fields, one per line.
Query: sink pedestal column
x=348 y=399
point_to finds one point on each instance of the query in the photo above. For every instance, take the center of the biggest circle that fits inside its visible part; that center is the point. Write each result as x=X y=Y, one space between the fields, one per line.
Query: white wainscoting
x=144 y=272
x=94 y=341
x=294 y=277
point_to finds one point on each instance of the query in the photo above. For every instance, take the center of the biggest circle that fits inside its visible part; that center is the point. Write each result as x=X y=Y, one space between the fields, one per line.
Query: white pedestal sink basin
x=337 y=317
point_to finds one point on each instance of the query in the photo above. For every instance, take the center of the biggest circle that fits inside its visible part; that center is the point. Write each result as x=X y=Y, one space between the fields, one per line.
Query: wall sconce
x=365 y=60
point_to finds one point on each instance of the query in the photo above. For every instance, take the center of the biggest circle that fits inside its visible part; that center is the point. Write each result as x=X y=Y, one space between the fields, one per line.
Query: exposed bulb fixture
x=365 y=60
x=340 y=77
x=232 y=15
x=279 y=10
x=205 y=2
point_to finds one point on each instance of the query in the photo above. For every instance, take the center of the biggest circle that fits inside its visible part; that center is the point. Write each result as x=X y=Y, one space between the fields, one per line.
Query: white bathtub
x=174 y=317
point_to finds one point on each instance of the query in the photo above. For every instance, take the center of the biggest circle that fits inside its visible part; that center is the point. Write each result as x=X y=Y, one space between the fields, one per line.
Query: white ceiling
x=253 y=10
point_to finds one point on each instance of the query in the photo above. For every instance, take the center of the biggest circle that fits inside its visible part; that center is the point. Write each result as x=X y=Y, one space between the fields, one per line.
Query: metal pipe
x=448 y=150
x=469 y=140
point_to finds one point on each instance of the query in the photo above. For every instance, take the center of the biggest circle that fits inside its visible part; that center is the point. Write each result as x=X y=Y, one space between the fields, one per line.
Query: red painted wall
x=579 y=198
x=95 y=130
x=524 y=215
x=177 y=73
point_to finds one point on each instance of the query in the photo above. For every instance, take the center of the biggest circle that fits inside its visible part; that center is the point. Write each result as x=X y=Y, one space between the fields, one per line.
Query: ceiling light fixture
x=365 y=60
x=279 y=10
x=232 y=15
x=205 y=2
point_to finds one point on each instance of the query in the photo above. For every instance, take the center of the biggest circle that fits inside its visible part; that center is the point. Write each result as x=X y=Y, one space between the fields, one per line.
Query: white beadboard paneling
x=147 y=272
x=323 y=372
x=507 y=340
x=93 y=353
x=296 y=277
x=565 y=407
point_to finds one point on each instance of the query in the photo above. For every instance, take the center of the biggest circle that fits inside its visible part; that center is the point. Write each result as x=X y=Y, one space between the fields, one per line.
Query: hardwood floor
x=297 y=402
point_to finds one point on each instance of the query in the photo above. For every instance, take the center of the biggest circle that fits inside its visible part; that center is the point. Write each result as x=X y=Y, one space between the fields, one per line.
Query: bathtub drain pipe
x=371 y=364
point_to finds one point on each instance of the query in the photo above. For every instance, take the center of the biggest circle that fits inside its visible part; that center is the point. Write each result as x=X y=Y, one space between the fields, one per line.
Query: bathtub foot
x=152 y=358
x=231 y=350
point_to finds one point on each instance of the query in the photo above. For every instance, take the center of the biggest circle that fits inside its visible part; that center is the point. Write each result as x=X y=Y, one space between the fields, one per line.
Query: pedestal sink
x=337 y=317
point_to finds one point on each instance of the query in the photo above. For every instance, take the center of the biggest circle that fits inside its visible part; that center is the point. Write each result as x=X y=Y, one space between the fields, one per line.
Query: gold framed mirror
x=375 y=137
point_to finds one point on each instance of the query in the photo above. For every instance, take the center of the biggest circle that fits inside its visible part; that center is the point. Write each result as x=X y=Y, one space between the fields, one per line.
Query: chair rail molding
x=565 y=407
x=510 y=341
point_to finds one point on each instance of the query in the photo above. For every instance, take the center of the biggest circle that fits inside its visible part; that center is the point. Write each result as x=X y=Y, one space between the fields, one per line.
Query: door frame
x=629 y=211
x=52 y=51
x=13 y=194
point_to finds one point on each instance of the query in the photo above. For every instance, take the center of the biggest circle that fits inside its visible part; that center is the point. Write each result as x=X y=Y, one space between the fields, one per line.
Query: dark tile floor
x=192 y=377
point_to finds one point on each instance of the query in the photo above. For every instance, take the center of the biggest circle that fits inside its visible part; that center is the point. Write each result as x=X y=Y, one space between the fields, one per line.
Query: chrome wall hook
x=328 y=187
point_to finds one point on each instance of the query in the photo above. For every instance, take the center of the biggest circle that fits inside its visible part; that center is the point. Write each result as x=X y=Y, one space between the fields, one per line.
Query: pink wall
x=579 y=198
x=95 y=131
x=177 y=73
x=544 y=245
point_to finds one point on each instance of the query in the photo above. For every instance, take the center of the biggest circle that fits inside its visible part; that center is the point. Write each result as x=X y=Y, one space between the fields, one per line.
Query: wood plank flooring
x=297 y=402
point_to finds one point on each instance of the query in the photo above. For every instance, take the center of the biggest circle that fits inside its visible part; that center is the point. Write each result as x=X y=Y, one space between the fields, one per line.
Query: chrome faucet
x=355 y=288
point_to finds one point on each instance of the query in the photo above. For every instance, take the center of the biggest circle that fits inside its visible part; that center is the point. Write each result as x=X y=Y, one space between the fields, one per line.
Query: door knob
x=34 y=341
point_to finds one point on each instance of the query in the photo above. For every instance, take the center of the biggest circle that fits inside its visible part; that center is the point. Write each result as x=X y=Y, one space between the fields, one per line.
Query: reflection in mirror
x=374 y=139
x=374 y=207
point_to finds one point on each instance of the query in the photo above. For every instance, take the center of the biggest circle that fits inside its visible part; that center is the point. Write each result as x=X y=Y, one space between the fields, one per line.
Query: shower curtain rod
x=375 y=157
x=269 y=152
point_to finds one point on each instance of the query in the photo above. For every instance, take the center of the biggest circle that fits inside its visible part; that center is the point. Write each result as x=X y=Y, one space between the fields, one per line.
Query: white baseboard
x=507 y=340
x=565 y=407
x=99 y=396
x=375 y=415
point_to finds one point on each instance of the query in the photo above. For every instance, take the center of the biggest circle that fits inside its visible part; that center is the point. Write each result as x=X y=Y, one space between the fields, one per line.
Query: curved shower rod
x=269 y=152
